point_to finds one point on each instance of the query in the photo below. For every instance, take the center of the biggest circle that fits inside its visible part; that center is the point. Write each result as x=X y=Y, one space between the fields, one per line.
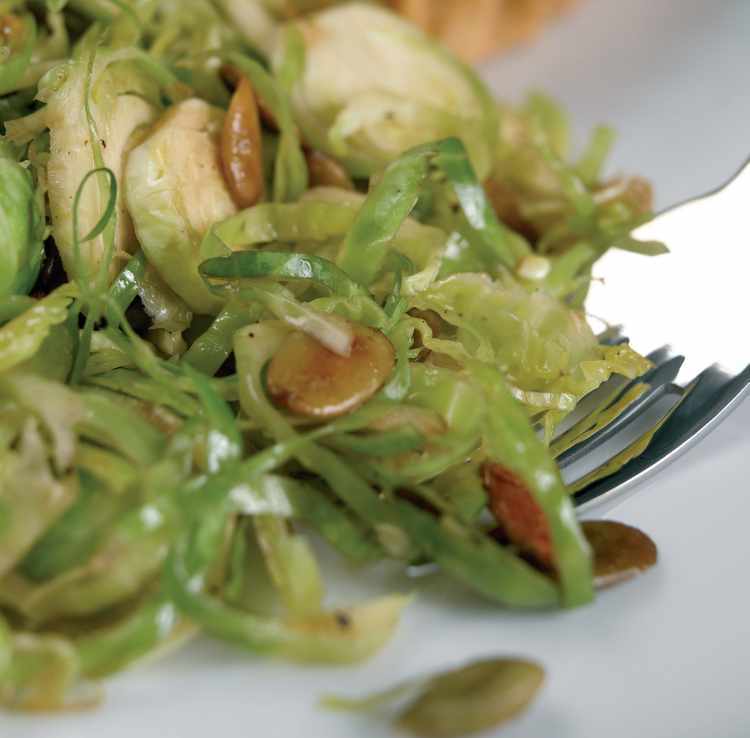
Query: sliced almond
x=308 y=379
x=242 y=147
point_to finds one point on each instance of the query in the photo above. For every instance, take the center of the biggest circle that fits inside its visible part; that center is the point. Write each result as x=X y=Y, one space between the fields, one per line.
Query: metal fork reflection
x=697 y=298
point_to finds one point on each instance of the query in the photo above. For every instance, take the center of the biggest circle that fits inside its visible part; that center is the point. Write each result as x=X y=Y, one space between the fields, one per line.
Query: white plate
x=665 y=656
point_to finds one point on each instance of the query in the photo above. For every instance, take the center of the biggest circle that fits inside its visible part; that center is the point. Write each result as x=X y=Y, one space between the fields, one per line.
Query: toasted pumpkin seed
x=620 y=551
x=327 y=172
x=309 y=379
x=241 y=147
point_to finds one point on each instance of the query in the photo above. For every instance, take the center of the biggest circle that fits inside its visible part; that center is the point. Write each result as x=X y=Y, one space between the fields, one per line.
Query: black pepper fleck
x=343 y=620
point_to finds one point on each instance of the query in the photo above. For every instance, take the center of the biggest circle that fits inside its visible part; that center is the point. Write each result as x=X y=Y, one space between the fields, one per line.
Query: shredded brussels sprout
x=379 y=349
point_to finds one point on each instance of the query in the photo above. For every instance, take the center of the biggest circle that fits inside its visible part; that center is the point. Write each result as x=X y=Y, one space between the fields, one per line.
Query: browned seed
x=326 y=171
x=620 y=551
x=309 y=379
x=241 y=147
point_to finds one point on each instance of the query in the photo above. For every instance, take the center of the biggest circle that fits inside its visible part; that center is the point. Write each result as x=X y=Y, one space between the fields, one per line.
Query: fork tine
x=658 y=378
x=609 y=407
x=657 y=358
x=705 y=402
x=713 y=393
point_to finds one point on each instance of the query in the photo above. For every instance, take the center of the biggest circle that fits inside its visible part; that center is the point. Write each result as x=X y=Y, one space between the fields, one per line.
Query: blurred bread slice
x=476 y=28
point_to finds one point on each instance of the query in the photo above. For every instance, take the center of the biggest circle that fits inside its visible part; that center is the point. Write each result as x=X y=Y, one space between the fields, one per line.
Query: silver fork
x=698 y=298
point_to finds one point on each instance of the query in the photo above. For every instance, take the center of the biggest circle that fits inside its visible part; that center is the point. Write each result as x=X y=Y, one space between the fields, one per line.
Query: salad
x=268 y=277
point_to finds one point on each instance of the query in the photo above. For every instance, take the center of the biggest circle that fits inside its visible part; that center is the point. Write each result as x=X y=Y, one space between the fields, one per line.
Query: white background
x=666 y=656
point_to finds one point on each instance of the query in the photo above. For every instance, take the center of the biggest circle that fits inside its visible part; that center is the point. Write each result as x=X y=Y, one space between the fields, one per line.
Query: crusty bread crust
x=476 y=28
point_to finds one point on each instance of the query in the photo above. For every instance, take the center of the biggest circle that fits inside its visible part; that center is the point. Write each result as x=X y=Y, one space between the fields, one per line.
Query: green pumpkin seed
x=474 y=698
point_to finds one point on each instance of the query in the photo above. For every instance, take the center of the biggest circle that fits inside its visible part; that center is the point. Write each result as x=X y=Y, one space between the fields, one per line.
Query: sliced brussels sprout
x=545 y=348
x=253 y=20
x=21 y=229
x=35 y=496
x=169 y=314
x=175 y=192
x=115 y=98
x=257 y=21
x=421 y=244
x=311 y=380
x=37 y=448
x=374 y=86
x=42 y=675
x=426 y=421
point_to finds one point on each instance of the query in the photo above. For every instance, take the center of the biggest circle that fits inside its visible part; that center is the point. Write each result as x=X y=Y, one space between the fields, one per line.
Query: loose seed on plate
x=474 y=698
x=620 y=551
